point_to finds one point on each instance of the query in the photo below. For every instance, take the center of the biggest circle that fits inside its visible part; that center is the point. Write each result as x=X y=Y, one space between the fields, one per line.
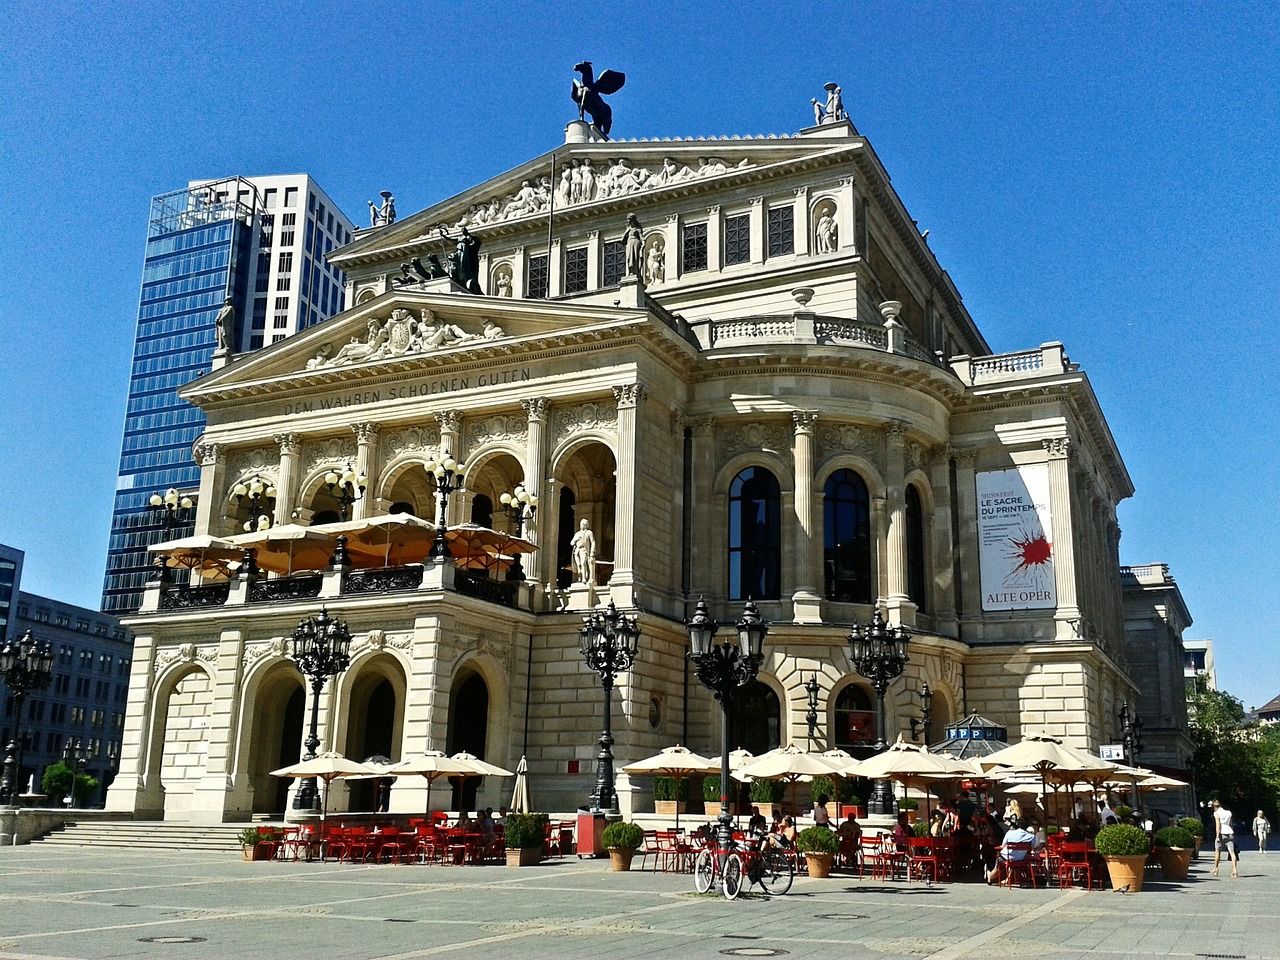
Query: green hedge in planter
x=1193 y=825
x=1122 y=840
x=711 y=789
x=627 y=836
x=251 y=835
x=908 y=803
x=817 y=840
x=1124 y=812
x=525 y=830
x=921 y=828
x=1175 y=837
x=845 y=790
x=767 y=791
x=669 y=788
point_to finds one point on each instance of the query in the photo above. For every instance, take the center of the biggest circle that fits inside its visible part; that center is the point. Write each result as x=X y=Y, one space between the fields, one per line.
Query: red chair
x=391 y=844
x=1019 y=870
x=922 y=859
x=1074 y=863
x=876 y=856
x=649 y=848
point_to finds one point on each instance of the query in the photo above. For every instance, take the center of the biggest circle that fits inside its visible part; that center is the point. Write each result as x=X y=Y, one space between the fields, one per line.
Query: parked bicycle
x=758 y=862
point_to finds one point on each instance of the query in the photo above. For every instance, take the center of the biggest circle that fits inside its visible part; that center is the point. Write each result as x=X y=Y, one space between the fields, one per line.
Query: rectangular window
x=290 y=196
x=283 y=283
x=575 y=270
x=271 y=195
x=281 y=322
x=539 y=278
x=782 y=223
x=693 y=247
x=282 y=303
x=613 y=263
x=284 y=263
x=737 y=239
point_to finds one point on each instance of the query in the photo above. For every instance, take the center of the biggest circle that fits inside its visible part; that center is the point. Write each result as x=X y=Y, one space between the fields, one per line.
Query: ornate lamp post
x=171 y=509
x=320 y=649
x=521 y=506
x=609 y=643
x=1131 y=737
x=920 y=725
x=346 y=487
x=723 y=668
x=811 y=715
x=258 y=490
x=26 y=664
x=448 y=473
x=76 y=756
x=879 y=654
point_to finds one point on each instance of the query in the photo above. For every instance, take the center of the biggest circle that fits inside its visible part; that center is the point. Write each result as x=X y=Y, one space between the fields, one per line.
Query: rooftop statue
x=223 y=323
x=587 y=94
x=833 y=110
x=465 y=261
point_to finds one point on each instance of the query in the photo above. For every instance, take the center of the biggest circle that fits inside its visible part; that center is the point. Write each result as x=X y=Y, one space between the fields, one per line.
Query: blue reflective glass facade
x=197 y=254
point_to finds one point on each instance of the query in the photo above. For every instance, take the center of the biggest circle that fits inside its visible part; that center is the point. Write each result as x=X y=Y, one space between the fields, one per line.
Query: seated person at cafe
x=1018 y=833
x=464 y=821
x=757 y=823
x=902 y=832
x=850 y=828
x=935 y=824
x=785 y=837
x=484 y=822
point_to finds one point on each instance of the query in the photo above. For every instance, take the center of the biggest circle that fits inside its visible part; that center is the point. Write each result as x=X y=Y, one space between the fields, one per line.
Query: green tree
x=57 y=780
x=1235 y=760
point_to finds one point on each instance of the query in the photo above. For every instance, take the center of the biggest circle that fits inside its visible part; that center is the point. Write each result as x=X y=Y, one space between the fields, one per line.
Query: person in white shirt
x=820 y=816
x=1261 y=830
x=1224 y=839
x=1017 y=834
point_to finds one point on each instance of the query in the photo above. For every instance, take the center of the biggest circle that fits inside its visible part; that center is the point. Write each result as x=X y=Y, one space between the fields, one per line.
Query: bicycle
x=764 y=865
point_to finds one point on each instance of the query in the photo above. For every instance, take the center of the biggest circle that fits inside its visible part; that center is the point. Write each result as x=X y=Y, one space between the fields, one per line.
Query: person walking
x=1224 y=840
x=1261 y=830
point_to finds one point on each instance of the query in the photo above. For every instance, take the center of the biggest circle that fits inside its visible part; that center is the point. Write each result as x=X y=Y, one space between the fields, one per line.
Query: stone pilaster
x=213 y=481
x=136 y=787
x=895 y=490
x=535 y=472
x=366 y=465
x=555 y=269
x=1058 y=451
x=223 y=791
x=802 y=228
x=287 y=476
x=943 y=581
x=846 y=215
x=450 y=422
x=715 y=240
x=806 y=602
x=757 y=229
x=702 y=468
x=622 y=583
x=593 y=260
x=969 y=593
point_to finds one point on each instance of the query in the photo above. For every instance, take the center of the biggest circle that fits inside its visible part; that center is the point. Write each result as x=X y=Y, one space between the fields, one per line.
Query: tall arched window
x=482 y=511
x=917 y=585
x=846 y=532
x=755 y=536
x=565 y=530
x=755 y=718
x=855 y=719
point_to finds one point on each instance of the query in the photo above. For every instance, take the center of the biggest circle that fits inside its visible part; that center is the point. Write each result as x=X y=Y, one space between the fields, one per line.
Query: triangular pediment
x=410 y=328
x=583 y=180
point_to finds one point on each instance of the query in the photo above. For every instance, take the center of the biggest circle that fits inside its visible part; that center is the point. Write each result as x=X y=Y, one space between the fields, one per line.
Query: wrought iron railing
x=286 y=588
x=383 y=580
x=482 y=588
x=205 y=595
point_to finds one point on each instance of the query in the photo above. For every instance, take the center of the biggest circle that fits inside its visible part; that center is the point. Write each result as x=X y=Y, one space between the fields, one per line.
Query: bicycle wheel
x=704 y=871
x=732 y=876
x=778 y=873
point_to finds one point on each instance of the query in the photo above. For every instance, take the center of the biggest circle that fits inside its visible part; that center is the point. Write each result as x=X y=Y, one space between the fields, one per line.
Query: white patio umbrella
x=286 y=547
x=432 y=765
x=520 y=796
x=1052 y=759
x=386 y=536
x=911 y=764
x=328 y=767
x=789 y=764
x=481 y=768
x=676 y=762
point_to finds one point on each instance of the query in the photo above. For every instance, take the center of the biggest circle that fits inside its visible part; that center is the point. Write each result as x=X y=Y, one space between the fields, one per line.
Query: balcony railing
x=286 y=588
x=803 y=327
x=185 y=597
x=383 y=580
x=482 y=588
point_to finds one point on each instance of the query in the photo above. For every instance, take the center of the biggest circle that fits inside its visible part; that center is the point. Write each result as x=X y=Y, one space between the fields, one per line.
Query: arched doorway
x=755 y=722
x=375 y=715
x=468 y=730
x=275 y=735
x=854 y=724
x=564 y=552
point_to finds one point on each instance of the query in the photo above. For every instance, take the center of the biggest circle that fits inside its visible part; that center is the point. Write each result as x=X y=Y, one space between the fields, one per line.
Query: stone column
x=702 y=516
x=1058 y=451
x=622 y=583
x=535 y=472
x=286 y=476
x=136 y=787
x=846 y=216
x=895 y=489
x=593 y=260
x=213 y=492
x=715 y=240
x=450 y=422
x=519 y=271
x=366 y=464
x=969 y=590
x=223 y=794
x=806 y=602
x=944 y=588
x=880 y=538
x=757 y=229
x=802 y=228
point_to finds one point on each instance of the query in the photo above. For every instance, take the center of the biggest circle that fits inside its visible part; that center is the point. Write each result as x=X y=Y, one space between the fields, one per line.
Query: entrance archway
x=755 y=721
x=275 y=734
x=468 y=730
x=375 y=719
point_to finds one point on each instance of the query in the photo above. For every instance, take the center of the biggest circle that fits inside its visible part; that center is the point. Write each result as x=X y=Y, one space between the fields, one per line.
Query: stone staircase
x=144 y=835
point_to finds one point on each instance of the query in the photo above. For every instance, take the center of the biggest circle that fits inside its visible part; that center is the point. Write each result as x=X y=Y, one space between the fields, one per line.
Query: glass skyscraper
x=259 y=241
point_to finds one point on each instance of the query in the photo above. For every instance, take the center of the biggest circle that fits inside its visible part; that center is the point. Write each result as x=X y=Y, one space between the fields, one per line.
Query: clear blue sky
x=1101 y=174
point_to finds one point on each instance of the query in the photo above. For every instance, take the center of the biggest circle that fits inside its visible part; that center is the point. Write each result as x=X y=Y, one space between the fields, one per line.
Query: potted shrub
x=1124 y=847
x=1195 y=827
x=920 y=828
x=524 y=834
x=259 y=843
x=1173 y=848
x=819 y=846
x=621 y=840
x=765 y=793
x=909 y=806
x=670 y=795
x=711 y=796
x=850 y=803
x=1123 y=812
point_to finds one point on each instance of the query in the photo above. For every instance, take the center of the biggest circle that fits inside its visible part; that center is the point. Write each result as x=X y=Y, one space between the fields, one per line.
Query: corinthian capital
x=289 y=443
x=206 y=454
x=895 y=431
x=365 y=432
x=450 y=421
x=535 y=408
x=1058 y=448
x=629 y=395
x=804 y=420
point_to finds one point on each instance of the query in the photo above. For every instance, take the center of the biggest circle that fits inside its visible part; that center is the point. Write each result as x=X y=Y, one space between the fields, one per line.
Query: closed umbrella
x=520 y=795
x=676 y=762
x=327 y=767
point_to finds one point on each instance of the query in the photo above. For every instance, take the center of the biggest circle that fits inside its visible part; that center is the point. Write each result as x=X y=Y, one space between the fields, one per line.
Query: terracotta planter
x=669 y=808
x=1174 y=862
x=524 y=856
x=819 y=864
x=256 y=851
x=911 y=815
x=620 y=859
x=711 y=808
x=850 y=811
x=1126 y=872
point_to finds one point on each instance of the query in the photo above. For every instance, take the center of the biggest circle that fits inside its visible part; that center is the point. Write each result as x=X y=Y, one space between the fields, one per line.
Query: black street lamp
x=723 y=668
x=26 y=664
x=171 y=509
x=1131 y=737
x=448 y=474
x=811 y=715
x=75 y=754
x=346 y=487
x=920 y=725
x=257 y=490
x=521 y=507
x=320 y=646
x=609 y=643
x=879 y=654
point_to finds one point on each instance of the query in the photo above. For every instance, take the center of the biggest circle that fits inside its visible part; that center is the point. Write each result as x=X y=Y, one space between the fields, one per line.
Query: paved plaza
x=93 y=903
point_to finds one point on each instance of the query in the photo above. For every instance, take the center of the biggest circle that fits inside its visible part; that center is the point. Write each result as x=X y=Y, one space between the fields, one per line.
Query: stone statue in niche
x=384 y=215
x=655 y=261
x=223 y=323
x=833 y=110
x=827 y=231
x=465 y=261
x=502 y=281
x=633 y=244
x=583 y=546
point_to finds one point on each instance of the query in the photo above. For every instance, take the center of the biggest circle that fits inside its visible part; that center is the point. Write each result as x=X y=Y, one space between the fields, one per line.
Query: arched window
x=324 y=516
x=917 y=586
x=846 y=532
x=482 y=511
x=755 y=719
x=855 y=719
x=755 y=536
x=402 y=506
x=565 y=528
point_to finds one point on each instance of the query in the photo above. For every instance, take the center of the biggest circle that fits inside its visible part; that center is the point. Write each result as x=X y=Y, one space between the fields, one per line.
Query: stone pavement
x=90 y=904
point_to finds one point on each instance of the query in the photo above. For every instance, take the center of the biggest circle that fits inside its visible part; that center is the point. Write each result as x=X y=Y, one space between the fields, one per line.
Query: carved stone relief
x=321 y=453
x=845 y=438
x=774 y=437
x=493 y=429
x=585 y=416
x=410 y=440
x=253 y=652
x=377 y=640
x=398 y=335
x=261 y=460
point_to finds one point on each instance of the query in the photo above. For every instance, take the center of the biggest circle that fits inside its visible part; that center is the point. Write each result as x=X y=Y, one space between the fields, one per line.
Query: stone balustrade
x=803 y=327
x=1048 y=359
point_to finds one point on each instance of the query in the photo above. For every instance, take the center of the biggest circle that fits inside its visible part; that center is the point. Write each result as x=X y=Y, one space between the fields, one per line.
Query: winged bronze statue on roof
x=589 y=93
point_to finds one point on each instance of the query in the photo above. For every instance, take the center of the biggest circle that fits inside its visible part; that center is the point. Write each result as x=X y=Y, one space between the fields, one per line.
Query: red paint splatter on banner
x=1031 y=552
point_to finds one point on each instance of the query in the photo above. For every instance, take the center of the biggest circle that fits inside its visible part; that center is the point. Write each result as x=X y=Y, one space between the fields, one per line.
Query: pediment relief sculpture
x=401 y=334
x=585 y=181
